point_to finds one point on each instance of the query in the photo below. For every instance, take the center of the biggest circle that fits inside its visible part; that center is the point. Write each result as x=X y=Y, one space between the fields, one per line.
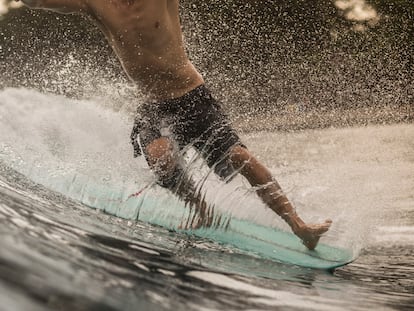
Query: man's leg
x=165 y=163
x=272 y=195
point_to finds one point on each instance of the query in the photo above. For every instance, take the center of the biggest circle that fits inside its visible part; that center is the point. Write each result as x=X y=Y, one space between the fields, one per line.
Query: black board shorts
x=194 y=119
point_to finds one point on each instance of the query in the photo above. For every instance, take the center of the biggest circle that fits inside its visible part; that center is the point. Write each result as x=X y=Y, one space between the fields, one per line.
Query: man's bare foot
x=310 y=234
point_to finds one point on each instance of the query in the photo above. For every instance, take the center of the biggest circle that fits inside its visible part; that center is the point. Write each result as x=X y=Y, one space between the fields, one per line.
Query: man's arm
x=62 y=6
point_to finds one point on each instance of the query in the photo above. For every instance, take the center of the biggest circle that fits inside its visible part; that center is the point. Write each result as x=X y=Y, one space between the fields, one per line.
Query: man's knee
x=255 y=172
x=239 y=156
x=160 y=154
x=162 y=160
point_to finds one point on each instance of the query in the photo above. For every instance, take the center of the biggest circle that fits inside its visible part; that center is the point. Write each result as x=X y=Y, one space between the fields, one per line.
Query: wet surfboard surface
x=162 y=209
x=281 y=246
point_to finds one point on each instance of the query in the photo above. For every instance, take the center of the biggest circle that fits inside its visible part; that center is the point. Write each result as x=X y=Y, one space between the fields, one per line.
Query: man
x=146 y=36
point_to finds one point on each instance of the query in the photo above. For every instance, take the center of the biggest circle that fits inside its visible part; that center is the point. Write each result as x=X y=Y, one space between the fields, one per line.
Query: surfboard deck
x=279 y=245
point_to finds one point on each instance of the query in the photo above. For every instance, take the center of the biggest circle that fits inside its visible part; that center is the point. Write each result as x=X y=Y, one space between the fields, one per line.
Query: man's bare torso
x=146 y=35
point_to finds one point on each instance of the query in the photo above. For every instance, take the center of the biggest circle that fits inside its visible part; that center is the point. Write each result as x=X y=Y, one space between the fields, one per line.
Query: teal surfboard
x=278 y=245
x=158 y=207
